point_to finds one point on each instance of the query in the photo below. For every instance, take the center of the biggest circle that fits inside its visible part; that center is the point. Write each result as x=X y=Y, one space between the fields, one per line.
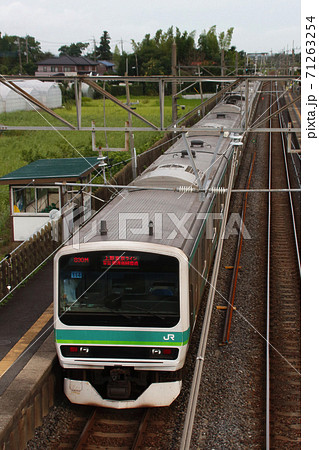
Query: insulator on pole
x=185 y=189
x=218 y=190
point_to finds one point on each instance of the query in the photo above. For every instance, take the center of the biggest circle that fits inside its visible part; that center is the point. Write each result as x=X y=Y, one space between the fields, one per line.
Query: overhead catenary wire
x=183 y=189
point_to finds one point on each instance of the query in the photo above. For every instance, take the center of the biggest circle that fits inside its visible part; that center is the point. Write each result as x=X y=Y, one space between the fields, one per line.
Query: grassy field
x=18 y=148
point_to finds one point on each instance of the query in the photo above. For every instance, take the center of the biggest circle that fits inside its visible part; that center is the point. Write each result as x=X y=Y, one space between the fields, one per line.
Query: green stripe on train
x=121 y=337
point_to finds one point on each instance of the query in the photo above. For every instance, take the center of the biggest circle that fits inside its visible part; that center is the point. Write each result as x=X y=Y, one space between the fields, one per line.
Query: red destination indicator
x=127 y=261
x=81 y=260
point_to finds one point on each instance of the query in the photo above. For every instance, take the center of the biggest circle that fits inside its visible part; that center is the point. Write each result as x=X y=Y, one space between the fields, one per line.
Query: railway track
x=294 y=162
x=284 y=322
x=221 y=409
x=106 y=428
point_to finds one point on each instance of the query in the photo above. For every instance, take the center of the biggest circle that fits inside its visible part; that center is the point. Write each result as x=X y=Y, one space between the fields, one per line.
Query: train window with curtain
x=24 y=200
x=35 y=199
x=47 y=199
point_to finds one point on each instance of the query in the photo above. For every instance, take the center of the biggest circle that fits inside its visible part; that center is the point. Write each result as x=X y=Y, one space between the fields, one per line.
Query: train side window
x=213 y=234
x=203 y=247
x=191 y=304
x=218 y=203
x=210 y=230
x=197 y=277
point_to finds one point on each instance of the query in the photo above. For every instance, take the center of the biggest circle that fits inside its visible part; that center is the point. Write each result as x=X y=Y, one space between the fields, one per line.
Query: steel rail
x=191 y=409
x=268 y=382
x=295 y=151
x=290 y=196
x=137 y=444
x=268 y=295
x=232 y=291
x=295 y=168
x=86 y=430
x=275 y=113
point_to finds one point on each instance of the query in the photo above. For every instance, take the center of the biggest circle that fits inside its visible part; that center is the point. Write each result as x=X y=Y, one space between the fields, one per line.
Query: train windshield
x=119 y=288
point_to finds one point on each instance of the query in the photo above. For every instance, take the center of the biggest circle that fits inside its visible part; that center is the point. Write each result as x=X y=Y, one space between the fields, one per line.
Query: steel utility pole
x=19 y=51
x=222 y=65
x=26 y=49
x=174 y=84
x=129 y=123
x=94 y=49
x=223 y=62
x=201 y=92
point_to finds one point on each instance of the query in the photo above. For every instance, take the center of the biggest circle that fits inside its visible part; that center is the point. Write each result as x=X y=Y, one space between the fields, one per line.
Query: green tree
x=224 y=40
x=154 y=53
x=213 y=48
x=73 y=49
x=116 y=56
x=186 y=50
x=208 y=45
x=19 y=54
x=9 y=52
x=104 y=50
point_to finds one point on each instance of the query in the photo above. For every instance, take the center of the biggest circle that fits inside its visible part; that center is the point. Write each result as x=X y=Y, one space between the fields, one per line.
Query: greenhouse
x=48 y=93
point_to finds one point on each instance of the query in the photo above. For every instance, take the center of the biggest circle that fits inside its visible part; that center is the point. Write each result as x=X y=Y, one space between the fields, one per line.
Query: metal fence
x=27 y=257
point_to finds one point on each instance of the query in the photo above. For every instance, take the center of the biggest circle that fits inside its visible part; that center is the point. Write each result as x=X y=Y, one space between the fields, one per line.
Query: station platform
x=295 y=115
x=25 y=322
x=27 y=359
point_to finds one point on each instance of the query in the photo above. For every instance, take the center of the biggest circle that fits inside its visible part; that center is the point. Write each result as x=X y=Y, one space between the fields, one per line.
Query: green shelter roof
x=52 y=170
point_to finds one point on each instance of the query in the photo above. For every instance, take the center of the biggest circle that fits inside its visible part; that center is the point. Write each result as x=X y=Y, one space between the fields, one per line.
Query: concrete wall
x=28 y=398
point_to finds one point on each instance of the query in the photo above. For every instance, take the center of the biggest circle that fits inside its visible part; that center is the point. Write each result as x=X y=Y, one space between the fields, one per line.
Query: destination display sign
x=122 y=261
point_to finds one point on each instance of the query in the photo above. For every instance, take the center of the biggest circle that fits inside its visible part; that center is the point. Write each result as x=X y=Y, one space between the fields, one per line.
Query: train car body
x=128 y=291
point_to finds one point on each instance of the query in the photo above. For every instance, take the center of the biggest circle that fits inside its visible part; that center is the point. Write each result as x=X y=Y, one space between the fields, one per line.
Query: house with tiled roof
x=67 y=65
x=72 y=65
x=105 y=67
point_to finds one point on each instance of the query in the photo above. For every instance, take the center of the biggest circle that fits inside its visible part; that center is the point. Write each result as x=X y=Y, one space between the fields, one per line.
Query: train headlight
x=84 y=349
x=164 y=353
x=73 y=350
x=156 y=351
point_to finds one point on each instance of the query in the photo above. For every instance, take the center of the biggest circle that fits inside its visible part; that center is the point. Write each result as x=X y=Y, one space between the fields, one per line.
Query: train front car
x=121 y=323
x=128 y=293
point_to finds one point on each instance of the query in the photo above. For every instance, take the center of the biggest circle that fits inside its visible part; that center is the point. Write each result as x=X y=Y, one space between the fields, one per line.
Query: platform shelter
x=35 y=198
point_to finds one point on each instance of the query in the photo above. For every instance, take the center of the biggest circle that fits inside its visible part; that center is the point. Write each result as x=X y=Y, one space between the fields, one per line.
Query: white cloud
x=257 y=24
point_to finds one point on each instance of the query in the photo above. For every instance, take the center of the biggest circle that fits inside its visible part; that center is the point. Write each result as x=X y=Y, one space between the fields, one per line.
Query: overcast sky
x=259 y=25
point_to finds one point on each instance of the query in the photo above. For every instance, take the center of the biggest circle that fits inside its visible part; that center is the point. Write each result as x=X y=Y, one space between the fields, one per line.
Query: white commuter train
x=127 y=296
